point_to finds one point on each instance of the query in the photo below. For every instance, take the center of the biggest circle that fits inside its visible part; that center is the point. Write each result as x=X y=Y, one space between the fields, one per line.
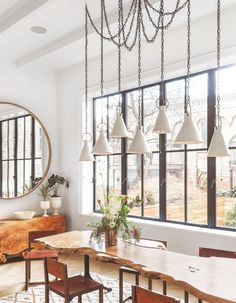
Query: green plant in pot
x=55 y=182
x=44 y=192
x=114 y=221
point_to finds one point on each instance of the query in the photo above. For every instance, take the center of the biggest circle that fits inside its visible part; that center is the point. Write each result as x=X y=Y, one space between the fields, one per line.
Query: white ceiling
x=63 y=44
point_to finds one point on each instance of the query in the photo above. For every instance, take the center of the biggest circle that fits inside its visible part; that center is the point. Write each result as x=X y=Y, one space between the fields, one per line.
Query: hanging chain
x=218 y=119
x=187 y=104
x=119 y=56
x=101 y=58
x=139 y=63
x=86 y=69
x=162 y=50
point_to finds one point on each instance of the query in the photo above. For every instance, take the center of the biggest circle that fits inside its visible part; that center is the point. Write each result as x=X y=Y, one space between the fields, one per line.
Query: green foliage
x=115 y=213
x=230 y=218
x=55 y=181
x=44 y=191
x=228 y=193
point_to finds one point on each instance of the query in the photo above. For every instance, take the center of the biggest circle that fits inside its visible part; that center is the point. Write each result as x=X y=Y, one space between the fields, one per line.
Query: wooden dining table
x=209 y=279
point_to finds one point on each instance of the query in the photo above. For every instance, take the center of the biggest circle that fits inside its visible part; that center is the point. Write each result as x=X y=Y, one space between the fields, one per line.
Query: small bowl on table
x=24 y=214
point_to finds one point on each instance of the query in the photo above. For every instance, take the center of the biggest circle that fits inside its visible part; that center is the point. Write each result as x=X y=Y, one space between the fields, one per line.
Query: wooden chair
x=124 y=269
x=212 y=252
x=68 y=287
x=33 y=255
x=141 y=295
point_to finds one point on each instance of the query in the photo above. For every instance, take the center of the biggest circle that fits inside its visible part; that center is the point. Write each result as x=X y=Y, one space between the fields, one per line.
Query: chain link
x=86 y=69
x=139 y=63
x=102 y=59
x=119 y=56
x=218 y=119
x=187 y=104
x=162 y=49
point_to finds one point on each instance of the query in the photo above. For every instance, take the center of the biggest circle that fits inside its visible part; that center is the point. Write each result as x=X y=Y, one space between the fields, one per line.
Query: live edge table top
x=209 y=279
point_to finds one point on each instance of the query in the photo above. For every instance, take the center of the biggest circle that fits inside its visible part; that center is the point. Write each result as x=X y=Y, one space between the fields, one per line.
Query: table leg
x=87 y=271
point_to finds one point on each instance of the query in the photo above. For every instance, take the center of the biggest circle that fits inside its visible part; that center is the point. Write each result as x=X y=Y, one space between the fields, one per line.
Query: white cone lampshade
x=162 y=125
x=102 y=146
x=119 y=130
x=217 y=146
x=188 y=133
x=139 y=144
x=85 y=154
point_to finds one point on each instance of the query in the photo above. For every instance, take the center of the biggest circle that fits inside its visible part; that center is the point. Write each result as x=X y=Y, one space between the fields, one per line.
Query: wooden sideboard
x=14 y=233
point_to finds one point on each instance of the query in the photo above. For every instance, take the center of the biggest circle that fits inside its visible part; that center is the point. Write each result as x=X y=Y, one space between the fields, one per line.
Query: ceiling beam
x=69 y=38
x=18 y=12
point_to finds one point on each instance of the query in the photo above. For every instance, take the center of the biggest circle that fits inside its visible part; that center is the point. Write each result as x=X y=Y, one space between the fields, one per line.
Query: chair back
x=211 y=252
x=33 y=235
x=141 y=295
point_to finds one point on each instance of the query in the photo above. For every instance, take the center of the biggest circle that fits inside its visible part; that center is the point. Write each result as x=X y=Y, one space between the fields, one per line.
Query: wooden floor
x=12 y=275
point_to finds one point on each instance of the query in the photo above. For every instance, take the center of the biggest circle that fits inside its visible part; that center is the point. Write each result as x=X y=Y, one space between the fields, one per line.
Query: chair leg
x=164 y=288
x=26 y=274
x=199 y=301
x=100 y=295
x=120 y=286
x=46 y=294
x=149 y=284
x=186 y=297
x=79 y=299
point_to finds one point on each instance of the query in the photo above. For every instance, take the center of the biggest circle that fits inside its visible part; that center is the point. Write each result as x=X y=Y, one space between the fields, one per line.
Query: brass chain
x=101 y=57
x=139 y=63
x=162 y=49
x=187 y=104
x=218 y=119
x=119 y=55
x=86 y=69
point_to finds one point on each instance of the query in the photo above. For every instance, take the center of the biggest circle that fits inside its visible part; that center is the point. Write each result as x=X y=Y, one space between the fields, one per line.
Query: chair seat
x=77 y=285
x=40 y=254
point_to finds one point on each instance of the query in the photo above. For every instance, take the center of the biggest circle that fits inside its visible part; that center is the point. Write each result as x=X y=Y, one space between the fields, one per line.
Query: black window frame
x=211 y=162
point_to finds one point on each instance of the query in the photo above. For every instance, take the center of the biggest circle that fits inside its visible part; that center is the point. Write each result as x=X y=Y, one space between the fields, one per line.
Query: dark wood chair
x=33 y=255
x=124 y=269
x=141 y=295
x=68 y=287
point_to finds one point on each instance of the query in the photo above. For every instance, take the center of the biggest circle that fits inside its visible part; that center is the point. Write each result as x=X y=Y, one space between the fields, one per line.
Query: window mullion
x=124 y=145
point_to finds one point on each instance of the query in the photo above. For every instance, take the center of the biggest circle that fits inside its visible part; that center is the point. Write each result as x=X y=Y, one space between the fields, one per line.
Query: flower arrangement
x=114 y=220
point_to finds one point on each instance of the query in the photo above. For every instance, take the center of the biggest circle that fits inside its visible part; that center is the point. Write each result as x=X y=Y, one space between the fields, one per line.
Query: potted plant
x=114 y=221
x=55 y=182
x=44 y=192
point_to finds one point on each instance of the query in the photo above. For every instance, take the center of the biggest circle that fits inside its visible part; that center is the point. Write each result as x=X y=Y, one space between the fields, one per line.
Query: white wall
x=35 y=90
x=71 y=85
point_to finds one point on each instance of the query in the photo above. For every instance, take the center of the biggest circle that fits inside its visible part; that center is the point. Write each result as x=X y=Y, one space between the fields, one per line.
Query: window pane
x=11 y=179
x=226 y=191
x=38 y=140
x=5 y=140
x=20 y=143
x=20 y=177
x=150 y=98
x=151 y=185
x=113 y=102
x=27 y=137
x=5 y=179
x=100 y=115
x=197 y=187
x=198 y=93
x=175 y=92
x=11 y=139
x=175 y=186
x=114 y=175
x=132 y=116
x=134 y=180
x=38 y=168
x=101 y=180
x=28 y=177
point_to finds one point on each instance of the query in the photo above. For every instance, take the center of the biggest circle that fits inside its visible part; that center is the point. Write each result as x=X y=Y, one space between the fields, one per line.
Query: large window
x=177 y=183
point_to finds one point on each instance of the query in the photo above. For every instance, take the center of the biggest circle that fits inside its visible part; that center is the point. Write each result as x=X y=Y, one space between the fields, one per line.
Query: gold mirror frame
x=49 y=150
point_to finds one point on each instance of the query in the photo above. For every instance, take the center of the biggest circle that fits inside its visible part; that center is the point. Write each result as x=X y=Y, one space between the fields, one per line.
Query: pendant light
x=162 y=125
x=102 y=146
x=86 y=137
x=188 y=133
x=218 y=146
x=119 y=129
x=139 y=144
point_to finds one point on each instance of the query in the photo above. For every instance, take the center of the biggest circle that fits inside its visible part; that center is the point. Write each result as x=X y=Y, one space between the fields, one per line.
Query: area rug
x=36 y=294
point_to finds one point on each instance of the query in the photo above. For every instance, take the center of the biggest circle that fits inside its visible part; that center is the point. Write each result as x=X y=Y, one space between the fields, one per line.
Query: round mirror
x=25 y=151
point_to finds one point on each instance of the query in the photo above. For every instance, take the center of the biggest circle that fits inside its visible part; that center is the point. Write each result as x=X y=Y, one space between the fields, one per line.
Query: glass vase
x=111 y=237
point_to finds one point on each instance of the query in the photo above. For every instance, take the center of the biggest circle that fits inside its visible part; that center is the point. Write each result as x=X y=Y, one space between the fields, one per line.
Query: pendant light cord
x=139 y=63
x=187 y=103
x=218 y=118
x=102 y=61
x=119 y=54
x=86 y=68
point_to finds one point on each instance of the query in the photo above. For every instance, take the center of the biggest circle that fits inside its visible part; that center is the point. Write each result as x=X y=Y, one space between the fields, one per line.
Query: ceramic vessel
x=45 y=205
x=24 y=214
x=55 y=204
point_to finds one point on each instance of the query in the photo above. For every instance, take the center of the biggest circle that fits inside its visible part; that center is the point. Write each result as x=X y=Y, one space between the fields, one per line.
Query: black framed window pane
x=11 y=179
x=101 y=180
x=20 y=143
x=175 y=93
x=101 y=115
x=28 y=176
x=20 y=177
x=114 y=175
x=38 y=140
x=134 y=180
x=5 y=140
x=151 y=185
x=5 y=179
x=175 y=186
x=197 y=187
x=150 y=112
x=11 y=139
x=132 y=117
x=198 y=93
x=113 y=102
x=28 y=133
x=38 y=170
